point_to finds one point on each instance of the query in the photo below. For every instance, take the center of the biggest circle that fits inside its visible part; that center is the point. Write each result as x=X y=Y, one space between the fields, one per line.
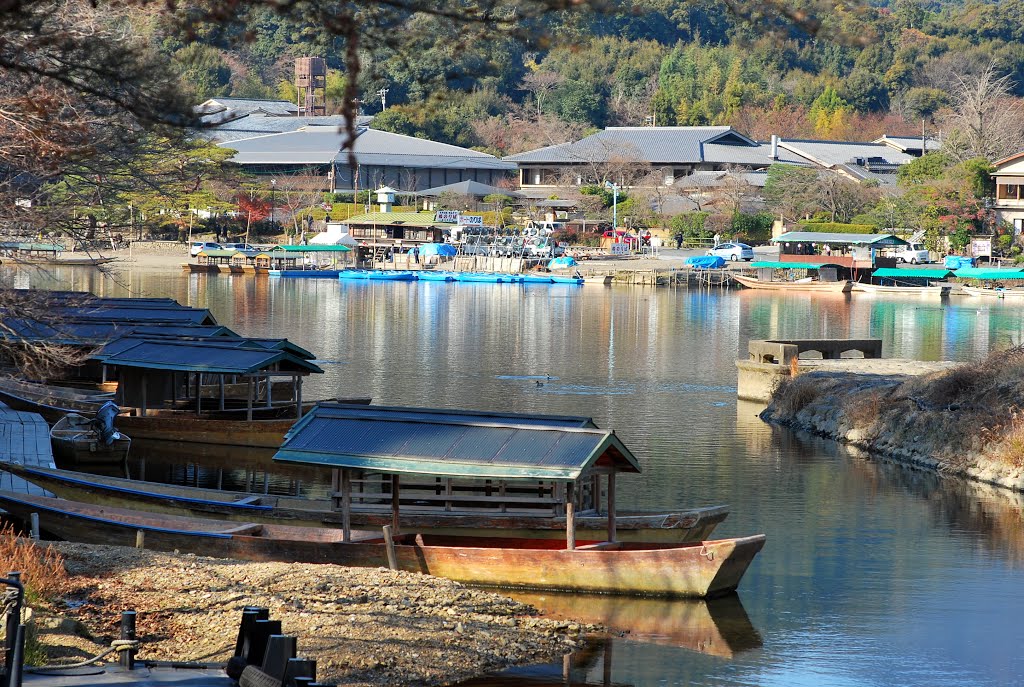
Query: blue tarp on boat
x=443 y=249
x=955 y=262
x=562 y=263
x=705 y=262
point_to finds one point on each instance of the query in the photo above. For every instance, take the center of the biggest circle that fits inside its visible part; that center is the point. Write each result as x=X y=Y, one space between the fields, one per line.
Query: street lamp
x=273 y=207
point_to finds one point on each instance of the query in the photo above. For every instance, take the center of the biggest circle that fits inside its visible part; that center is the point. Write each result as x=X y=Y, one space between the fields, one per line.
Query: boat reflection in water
x=717 y=627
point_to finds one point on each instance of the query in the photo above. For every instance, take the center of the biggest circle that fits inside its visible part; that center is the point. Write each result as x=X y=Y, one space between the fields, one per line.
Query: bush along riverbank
x=966 y=421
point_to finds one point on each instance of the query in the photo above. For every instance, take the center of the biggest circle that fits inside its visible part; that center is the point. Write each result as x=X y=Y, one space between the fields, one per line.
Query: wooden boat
x=993 y=293
x=228 y=427
x=704 y=569
x=56 y=261
x=799 y=285
x=940 y=291
x=674 y=527
x=76 y=441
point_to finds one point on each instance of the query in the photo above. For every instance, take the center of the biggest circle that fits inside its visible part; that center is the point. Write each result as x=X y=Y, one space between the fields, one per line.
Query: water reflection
x=717 y=627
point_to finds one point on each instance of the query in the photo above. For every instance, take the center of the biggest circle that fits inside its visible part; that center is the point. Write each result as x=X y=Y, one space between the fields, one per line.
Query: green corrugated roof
x=341 y=436
x=314 y=249
x=988 y=273
x=838 y=237
x=408 y=219
x=217 y=253
x=902 y=273
x=787 y=265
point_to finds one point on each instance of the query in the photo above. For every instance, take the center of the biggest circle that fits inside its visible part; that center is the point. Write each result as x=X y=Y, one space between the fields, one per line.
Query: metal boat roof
x=904 y=273
x=453 y=443
x=790 y=265
x=988 y=273
x=122 y=313
x=840 y=237
x=224 y=356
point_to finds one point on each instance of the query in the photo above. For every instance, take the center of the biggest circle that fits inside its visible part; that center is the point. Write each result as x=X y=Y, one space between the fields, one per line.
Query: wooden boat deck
x=25 y=439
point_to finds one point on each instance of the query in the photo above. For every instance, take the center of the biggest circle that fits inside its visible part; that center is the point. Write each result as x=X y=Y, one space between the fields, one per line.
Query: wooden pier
x=25 y=439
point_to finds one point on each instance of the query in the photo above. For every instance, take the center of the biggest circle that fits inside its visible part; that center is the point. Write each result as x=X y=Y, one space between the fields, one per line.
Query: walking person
x=679 y=240
x=416 y=254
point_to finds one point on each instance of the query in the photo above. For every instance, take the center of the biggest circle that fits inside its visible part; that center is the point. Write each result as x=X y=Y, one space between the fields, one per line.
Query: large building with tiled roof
x=673 y=155
x=382 y=159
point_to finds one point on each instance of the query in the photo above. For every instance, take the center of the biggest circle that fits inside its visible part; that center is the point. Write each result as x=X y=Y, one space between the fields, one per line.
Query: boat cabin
x=316 y=256
x=277 y=260
x=475 y=463
x=852 y=251
x=168 y=374
x=215 y=256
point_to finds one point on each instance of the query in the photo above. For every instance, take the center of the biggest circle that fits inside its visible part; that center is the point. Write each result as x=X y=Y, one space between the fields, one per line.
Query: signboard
x=447 y=216
x=981 y=247
x=473 y=220
x=620 y=248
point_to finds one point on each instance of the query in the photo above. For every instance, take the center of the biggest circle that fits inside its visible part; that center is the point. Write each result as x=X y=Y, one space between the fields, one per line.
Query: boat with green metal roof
x=907 y=282
x=996 y=282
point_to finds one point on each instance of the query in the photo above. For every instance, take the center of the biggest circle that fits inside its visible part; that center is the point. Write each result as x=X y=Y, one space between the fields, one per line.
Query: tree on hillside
x=985 y=120
x=788 y=191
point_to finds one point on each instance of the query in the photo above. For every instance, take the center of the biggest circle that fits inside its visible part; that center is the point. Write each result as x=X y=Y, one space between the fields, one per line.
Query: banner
x=451 y=216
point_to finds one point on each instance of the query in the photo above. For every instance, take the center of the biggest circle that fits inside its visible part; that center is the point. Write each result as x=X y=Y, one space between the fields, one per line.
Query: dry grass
x=42 y=569
x=793 y=394
x=864 y=409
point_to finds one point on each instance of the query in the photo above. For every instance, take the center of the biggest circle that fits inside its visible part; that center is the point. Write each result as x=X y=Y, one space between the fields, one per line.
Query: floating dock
x=25 y=439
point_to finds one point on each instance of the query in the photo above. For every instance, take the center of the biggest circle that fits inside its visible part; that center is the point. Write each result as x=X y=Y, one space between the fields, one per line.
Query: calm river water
x=873 y=574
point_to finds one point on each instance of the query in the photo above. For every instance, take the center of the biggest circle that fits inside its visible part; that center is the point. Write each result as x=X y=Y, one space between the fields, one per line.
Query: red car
x=620 y=236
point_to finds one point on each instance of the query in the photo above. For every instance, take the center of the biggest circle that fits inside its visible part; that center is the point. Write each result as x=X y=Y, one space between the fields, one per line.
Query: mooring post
x=140 y=539
x=127 y=658
x=34 y=525
x=389 y=544
x=13 y=621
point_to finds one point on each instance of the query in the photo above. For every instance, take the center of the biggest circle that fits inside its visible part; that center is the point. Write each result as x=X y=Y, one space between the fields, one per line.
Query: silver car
x=733 y=251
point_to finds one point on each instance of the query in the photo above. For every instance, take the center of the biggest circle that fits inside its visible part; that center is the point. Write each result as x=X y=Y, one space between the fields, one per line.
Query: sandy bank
x=364 y=626
x=965 y=421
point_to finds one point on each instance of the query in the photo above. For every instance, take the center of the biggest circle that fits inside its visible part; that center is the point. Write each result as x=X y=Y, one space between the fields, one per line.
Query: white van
x=915 y=254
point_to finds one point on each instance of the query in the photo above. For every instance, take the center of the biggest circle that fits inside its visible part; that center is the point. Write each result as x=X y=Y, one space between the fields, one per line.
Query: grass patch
x=42 y=569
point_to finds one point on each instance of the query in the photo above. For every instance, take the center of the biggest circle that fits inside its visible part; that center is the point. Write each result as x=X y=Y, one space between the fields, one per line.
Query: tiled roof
x=258 y=124
x=411 y=219
x=665 y=144
x=322 y=145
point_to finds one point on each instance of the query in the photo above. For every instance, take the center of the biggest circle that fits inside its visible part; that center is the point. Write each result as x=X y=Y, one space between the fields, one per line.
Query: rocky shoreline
x=964 y=421
x=363 y=626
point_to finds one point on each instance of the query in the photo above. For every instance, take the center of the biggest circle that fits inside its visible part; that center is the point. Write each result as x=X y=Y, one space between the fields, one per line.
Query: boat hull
x=169 y=499
x=993 y=293
x=810 y=286
x=186 y=427
x=702 y=569
x=923 y=291
x=77 y=451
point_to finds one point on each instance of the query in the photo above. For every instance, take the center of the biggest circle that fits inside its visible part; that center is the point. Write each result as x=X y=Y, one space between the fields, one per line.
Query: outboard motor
x=104 y=422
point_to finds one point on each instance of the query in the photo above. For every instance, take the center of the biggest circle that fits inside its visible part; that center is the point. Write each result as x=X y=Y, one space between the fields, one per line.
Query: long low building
x=316 y=155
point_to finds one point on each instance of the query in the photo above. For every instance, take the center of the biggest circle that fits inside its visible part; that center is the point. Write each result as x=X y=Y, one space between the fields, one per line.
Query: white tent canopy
x=336 y=235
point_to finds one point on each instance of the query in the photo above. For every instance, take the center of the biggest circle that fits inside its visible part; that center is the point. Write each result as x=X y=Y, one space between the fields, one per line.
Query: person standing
x=416 y=254
x=679 y=240
x=718 y=239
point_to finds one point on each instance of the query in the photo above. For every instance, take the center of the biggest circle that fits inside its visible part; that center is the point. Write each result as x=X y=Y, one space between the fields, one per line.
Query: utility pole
x=383 y=93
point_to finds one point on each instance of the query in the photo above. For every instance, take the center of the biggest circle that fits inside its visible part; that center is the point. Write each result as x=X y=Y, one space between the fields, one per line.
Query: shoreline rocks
x=963 y=421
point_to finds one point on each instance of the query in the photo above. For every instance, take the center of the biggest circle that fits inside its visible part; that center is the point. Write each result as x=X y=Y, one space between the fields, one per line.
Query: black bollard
x=280 y=649
x=127 y=658
x=297 y=669
x=250 y=614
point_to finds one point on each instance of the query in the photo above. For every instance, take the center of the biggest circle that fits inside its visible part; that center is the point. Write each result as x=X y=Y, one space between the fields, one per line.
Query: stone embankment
x=363 y=626
x=966 y=421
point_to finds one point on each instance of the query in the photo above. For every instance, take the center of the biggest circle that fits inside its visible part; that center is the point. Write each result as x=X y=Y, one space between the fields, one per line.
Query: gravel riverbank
x=364 y=626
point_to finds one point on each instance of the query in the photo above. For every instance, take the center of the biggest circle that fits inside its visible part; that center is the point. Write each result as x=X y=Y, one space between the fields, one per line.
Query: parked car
x=238 y=246
x=199 y=246
x=733 y=251
x=620 y=236
x=914 y=253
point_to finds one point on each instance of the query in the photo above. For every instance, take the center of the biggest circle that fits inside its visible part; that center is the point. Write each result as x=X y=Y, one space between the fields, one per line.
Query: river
x=873 y=574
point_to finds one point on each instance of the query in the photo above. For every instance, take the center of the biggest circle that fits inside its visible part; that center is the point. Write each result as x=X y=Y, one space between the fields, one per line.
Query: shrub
x=43 y=572
x=835 y=227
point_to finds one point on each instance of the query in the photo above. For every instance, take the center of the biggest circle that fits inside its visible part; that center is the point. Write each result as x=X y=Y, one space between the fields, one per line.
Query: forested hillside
x=868 y=69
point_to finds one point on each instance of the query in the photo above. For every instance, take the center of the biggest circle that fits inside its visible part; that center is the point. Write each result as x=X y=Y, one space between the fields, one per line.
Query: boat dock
x=25 y=439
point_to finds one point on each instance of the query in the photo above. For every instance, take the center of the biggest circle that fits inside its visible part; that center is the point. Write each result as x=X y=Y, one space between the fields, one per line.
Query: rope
x=116 y=645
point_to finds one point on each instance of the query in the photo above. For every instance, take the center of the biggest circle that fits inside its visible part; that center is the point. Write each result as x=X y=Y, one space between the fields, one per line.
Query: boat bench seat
x=251 y=528
x=600 y=546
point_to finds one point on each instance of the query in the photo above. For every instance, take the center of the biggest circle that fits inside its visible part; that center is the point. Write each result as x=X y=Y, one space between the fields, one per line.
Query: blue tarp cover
x=955 y=262
x=705 y=262
x=561 y=263
x=438 y=249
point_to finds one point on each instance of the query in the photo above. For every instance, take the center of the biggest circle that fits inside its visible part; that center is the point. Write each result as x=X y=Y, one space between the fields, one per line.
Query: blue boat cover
x=955 y=262
x=562 y=262
x=705 y=262
x=445 y=249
